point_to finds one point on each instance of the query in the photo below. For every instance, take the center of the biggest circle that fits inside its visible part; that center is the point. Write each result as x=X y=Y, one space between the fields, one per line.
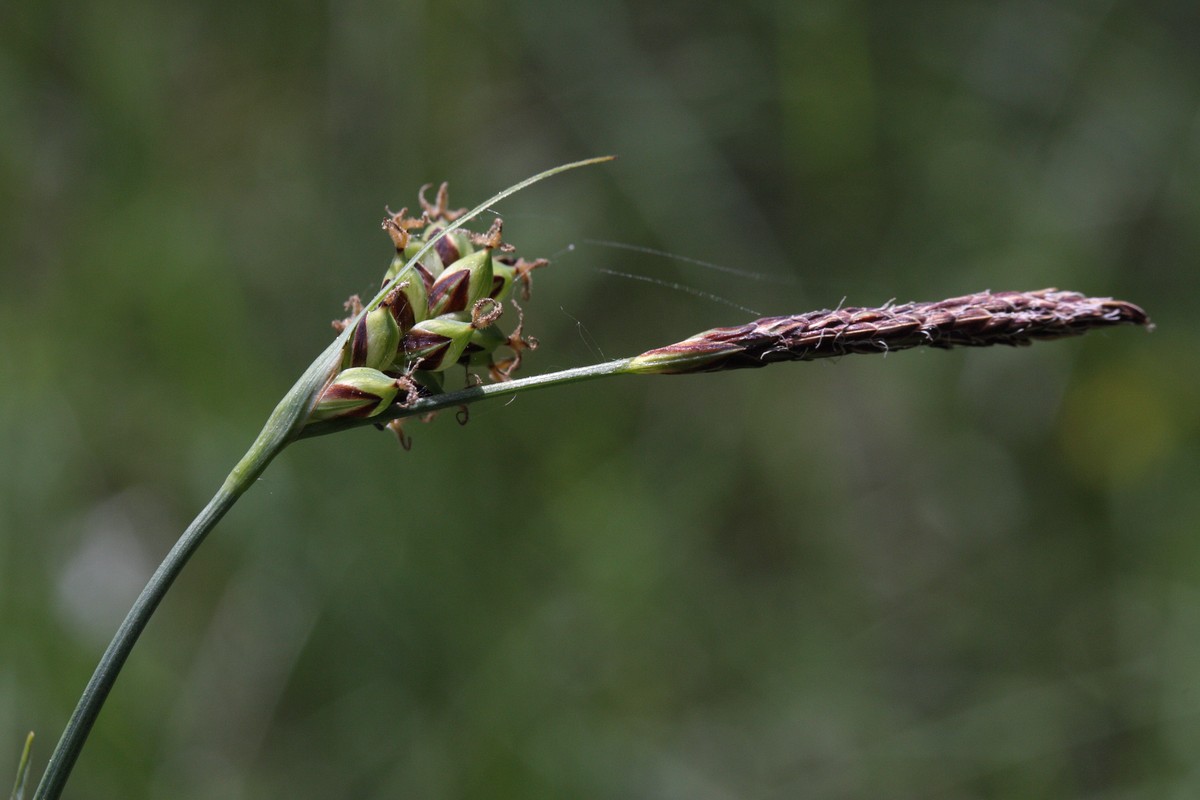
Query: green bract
x=450 y=248
x=411 y=304
x=436 y=344
x=374 y=342
x=356 y=392
x=430 y=262
x=465 y=282
x=483 y=343
x=503 y=276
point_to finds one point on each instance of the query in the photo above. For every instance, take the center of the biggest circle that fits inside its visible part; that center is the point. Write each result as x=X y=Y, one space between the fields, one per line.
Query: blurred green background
x=963 y=574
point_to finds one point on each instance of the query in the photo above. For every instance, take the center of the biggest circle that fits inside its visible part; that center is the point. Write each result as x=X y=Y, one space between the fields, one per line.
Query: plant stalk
x=439 y=402
x=973 y=320
x=281 y=428
x=285 y=425
x=978 y=320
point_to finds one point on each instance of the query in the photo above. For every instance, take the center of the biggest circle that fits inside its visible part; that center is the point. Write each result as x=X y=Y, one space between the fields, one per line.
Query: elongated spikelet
x=976 y=320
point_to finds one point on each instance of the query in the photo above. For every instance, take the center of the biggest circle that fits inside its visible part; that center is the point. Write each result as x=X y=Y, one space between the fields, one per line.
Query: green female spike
x=464 y=283
x=436 y=344
x=356 y=392
x=374 y=341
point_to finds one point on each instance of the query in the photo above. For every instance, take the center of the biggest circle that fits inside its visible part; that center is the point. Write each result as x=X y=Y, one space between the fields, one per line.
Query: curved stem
x=93 y=697
x=775 y=338
x=285 y=424
x=281 y=428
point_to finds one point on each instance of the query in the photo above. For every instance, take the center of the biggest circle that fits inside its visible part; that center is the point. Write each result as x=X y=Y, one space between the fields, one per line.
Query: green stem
x=89 y=705
x=286 y=424
x=18 y=792
x=281 y=428
x=470 y=395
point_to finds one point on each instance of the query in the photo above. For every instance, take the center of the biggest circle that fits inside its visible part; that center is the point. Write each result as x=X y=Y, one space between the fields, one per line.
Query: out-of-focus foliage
x=964 y=574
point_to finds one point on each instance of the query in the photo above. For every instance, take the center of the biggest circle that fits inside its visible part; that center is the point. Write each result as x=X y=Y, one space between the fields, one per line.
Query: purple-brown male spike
x=976 y=320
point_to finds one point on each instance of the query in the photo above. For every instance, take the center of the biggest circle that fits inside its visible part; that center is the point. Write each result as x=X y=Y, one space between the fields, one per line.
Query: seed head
x=976 y=320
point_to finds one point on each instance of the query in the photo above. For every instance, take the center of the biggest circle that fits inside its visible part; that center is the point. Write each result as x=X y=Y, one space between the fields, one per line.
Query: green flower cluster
x=440 y=311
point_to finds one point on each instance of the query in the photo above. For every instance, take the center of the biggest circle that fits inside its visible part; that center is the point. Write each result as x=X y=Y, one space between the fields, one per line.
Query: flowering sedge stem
x=283 y=426
x=977 y=320
x=974 y=320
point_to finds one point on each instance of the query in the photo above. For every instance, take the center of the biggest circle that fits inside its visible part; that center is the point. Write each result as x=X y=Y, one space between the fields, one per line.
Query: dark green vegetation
x=971 y=573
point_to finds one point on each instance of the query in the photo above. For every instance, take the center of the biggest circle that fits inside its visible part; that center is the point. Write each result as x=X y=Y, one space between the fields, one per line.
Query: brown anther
x=402 y=219
x=440 y=208
x=421 y=199
x=397 y=232
x=412 y=390
x=354 y=306
x=463 y=415
x=503 y=370
x=516 y=334
x=395 y=294
x=496 y=371
x=492 y=240
x=485 y=312
x=521 y=274
x=396 y=426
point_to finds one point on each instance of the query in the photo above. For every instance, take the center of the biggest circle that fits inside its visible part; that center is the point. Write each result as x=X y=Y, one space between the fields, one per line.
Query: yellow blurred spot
x=1117 y=422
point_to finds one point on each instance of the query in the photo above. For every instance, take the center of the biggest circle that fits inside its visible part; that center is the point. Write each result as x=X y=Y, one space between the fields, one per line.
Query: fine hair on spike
x=976 y=320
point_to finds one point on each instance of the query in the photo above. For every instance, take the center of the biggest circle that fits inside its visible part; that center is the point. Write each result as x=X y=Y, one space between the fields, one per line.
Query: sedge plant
x=440 y=305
